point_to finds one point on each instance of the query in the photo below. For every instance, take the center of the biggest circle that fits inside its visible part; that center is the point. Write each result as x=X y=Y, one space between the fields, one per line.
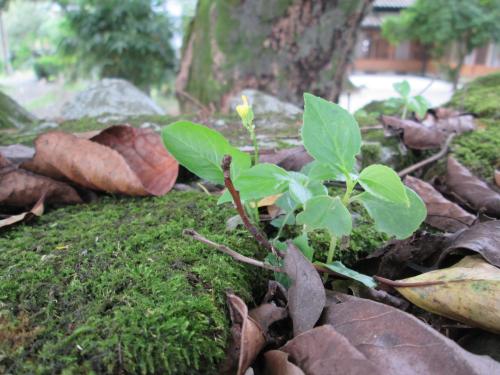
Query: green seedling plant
x=332 y=137
x=406 y=102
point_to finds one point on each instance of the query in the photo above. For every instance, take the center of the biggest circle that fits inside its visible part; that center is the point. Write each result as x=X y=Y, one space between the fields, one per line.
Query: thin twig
x=226 y=168
x=226 y=250
x=373 y=127
x=433 y=158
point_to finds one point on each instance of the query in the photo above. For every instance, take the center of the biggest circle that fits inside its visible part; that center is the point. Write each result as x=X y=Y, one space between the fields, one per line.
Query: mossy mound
x=480 y=150
x=12 y=115
x=114 y=287
x=480 y=96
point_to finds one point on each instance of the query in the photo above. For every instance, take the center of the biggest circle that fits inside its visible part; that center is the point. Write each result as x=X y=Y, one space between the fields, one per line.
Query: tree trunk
x=283 y=47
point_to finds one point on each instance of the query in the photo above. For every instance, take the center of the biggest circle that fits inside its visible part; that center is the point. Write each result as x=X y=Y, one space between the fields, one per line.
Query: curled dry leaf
x=20 y=188
x=248 y=332
x=306 y=295
x=468 y=292
x=291 y=159
x=37 y=210
x=470 y=189
x=441 y=213
x=398 y=343
x=121 y=159
x=430 y=134
x=324 y=351
x=277 y=364
x=497 y=177
x=482 y=238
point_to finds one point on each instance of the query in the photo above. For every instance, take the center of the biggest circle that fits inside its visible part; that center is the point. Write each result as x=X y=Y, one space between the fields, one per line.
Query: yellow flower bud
x=243 y=109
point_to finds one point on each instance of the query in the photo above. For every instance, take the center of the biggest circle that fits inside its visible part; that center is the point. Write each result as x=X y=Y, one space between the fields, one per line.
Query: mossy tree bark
x=284 y=47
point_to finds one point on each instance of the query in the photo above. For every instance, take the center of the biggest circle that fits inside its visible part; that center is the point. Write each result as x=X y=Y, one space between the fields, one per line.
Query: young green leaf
x=302 y=242
x=323 y=172
x=262 y=180
x=402 y=88
x=301 y=188
x=382 y=182
x=395 y=219
x=201 y=149
x=419 y=105
x=338 y=267
x=328 y=213
x=330 y=134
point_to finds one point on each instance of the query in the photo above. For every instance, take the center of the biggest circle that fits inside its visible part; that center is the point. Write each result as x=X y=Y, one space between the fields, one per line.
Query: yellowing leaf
x=268 y=201
x=468 y=292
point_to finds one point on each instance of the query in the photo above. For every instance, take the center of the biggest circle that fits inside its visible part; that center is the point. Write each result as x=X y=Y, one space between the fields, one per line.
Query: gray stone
x=263 y=103
x=110 y=100
x=13 y=115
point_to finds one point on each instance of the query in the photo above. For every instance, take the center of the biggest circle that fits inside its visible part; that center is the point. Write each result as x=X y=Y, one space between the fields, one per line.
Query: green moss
x=481 y=97
x=371 y=153
x=113 y=287
x=480 y=150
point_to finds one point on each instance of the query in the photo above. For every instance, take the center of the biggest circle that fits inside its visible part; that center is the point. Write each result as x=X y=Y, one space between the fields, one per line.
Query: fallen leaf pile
x=120 y=159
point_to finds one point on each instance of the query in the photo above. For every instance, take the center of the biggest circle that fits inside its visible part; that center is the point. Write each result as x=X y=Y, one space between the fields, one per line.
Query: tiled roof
x=395 y=4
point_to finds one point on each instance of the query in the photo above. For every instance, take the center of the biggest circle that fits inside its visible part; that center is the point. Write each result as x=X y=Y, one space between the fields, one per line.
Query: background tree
x=120 y=38
x=440 y=24
x=284 y=47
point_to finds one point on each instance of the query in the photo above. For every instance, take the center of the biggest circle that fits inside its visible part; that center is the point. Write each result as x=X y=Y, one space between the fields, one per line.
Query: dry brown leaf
x=306 y=295
x=497 y=177
x=291 y=159
x=398 y=343
x=324 y=351
x=441 y=213
x=248 y=332
x=145 y=154
x=132 y=161
x=482 y=238
x=277 y=364
x=37 y=210
x=468 y=292
x=470 y=189
x=431 y=133
x=20 y=188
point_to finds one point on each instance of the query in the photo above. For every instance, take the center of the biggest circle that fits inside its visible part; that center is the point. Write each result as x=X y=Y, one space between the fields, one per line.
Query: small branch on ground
x=193 y=100
x=261 y=239
x=369 y=128
x=403 y=284
x=226 y=250
x=429 y=160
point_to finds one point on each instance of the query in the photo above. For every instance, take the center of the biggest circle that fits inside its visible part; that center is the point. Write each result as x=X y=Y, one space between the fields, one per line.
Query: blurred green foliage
x=120 y=38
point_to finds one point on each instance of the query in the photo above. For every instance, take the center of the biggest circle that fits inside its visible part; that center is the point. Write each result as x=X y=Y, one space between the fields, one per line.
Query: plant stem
x=331 y=249
x=255 y=147
x=349 y=188
x=405 y=110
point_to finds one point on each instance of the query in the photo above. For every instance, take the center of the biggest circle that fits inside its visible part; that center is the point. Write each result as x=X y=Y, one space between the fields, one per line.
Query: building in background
x=375 y=54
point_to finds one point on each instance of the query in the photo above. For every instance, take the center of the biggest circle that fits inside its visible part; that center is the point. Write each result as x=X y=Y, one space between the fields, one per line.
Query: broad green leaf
x=324 y=172
x=201 y=149
x=395 y=219
x=402 y=88
x=286 y=203
x=419 y=105
x=382 y=182
x=225 y=197
x=330 y=134
x=262 y=180
x=328 y=213
x=338 y=267
x=302 y=242
x=280 y=220
x=301 y=188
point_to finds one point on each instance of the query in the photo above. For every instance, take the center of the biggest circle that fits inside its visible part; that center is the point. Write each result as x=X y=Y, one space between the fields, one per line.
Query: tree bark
x=283 y=47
